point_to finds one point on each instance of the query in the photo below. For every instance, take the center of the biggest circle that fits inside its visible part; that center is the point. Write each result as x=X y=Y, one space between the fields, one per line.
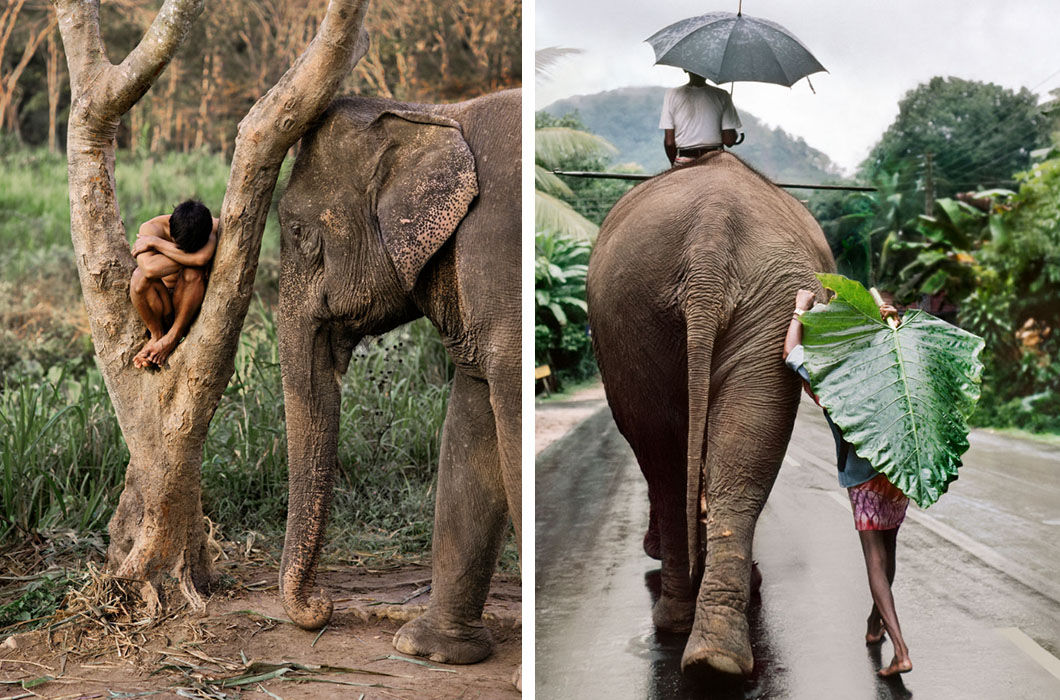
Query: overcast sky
x=875 y=52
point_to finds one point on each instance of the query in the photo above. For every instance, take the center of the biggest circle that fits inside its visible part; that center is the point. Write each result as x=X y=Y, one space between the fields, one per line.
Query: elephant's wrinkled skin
x=396 y=211
x=690 y=290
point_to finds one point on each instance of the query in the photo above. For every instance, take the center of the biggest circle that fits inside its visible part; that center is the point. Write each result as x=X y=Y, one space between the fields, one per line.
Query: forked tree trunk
x=157 y=530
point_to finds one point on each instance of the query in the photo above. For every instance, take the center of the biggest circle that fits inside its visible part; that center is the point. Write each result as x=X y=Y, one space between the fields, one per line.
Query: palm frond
x=545 y=58
x=545 y=181
x=552 y=214
x=555 y=144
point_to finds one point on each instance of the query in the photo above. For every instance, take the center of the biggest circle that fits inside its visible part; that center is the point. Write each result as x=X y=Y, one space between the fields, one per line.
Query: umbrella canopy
x=726 y=47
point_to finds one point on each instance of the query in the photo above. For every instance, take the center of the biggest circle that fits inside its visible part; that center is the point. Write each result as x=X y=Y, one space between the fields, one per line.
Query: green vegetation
x=977 y=135
x=62 y=457
x=561 y=331
x=987 y=259
x=567 y=214
x=920 y=379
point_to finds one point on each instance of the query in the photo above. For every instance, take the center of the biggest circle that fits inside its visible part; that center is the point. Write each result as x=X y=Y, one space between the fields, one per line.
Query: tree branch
x=82 y=41
x=273 y=125
x=128 y=82
x=309 y=85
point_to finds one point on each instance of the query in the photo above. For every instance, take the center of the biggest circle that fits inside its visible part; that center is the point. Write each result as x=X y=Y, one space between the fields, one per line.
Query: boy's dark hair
x=190 y=225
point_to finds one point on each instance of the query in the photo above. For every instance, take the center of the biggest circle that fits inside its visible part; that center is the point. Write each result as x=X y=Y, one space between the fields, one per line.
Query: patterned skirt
x=877 y=504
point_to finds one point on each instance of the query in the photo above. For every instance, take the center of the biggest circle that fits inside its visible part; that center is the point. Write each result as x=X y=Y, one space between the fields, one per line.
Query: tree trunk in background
x=7 y=23
x=54 y=85
x=9 y=83
x=157 y=530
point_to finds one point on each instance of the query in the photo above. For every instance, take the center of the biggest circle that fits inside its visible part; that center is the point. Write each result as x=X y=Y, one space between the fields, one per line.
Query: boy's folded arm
x=197 y=259
x=157 y=265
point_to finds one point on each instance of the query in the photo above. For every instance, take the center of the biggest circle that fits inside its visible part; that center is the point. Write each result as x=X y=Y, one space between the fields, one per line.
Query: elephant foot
x=447 y=644
x=720 y=643
x=673 y=615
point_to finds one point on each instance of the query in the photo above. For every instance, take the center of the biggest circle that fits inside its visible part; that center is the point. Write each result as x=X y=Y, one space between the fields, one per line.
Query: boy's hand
x=888 y=311
x=804 y=299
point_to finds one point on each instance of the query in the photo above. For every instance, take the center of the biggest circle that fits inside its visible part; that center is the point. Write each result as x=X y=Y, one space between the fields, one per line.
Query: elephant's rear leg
x=469 y=523
x=747 y=433
x=658 y=441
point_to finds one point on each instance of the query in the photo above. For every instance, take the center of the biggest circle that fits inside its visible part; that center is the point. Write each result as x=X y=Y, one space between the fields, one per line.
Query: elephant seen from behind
x=396 y=211
x=689 y=290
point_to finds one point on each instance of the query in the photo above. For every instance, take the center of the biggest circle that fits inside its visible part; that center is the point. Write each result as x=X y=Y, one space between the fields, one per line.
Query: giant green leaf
x=900 y=396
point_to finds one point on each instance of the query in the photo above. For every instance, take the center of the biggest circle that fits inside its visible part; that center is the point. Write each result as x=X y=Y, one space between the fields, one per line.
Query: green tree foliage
x=567 y=215
x=979 y=134
x=561 y=337
x=901 y=394
x=574 y=206
x=1016 y=305
x=860 y=227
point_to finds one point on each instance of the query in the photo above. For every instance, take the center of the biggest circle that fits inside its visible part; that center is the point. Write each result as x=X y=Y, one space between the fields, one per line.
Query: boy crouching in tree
x=172 y=253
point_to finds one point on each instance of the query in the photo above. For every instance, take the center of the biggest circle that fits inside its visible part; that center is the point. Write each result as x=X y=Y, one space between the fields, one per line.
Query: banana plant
x=901 y=394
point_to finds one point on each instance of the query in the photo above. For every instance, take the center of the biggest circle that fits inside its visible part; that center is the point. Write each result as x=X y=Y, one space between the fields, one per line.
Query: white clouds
x=874 y=55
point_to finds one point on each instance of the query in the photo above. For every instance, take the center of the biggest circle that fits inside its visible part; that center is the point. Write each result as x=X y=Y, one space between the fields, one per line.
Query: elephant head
x=376 y=191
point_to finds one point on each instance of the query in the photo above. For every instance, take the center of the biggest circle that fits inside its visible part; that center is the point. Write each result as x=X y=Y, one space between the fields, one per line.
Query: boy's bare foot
x=898 y=665
x=143 y=358
x=158 y=351
x=874 y=633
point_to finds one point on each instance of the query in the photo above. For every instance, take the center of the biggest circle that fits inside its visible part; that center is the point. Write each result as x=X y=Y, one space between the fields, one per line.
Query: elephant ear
x=426 y=182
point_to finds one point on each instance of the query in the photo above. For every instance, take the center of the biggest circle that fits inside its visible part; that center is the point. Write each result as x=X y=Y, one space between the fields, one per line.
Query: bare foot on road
x=902 y=665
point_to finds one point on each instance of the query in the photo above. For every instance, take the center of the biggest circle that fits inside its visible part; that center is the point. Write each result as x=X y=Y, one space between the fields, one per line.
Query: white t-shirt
x=698 y=115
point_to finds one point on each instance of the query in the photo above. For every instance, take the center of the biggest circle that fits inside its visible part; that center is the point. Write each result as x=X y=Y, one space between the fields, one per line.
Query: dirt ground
x=243 y=647
x=554 y=417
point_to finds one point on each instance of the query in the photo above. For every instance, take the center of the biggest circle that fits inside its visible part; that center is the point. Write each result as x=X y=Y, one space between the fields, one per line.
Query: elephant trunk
x=311 y=402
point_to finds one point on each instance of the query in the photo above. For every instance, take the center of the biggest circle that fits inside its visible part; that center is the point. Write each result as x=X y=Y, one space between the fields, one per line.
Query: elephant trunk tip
x=308 y=613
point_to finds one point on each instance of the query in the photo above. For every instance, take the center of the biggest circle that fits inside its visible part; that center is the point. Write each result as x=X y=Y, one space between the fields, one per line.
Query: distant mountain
x=629 y=118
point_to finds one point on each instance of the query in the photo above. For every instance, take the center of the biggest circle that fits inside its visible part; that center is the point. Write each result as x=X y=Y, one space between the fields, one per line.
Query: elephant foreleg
x=470 y=515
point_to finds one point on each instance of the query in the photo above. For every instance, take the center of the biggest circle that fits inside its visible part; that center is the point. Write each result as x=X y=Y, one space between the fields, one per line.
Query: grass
x=62 y=456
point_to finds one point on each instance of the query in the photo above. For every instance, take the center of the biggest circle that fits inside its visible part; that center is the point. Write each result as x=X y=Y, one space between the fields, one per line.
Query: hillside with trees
x=629 y=119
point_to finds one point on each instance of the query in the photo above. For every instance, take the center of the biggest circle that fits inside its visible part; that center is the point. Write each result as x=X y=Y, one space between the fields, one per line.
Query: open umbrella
x=727 y=47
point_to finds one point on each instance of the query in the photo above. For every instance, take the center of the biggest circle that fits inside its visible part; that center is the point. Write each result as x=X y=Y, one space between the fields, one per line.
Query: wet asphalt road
x=978 y=578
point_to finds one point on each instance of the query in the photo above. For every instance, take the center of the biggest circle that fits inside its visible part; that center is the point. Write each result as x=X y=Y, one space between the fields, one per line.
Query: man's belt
x=697 y=151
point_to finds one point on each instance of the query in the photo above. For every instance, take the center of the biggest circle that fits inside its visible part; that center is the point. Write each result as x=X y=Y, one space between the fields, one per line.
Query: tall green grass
x=62 y=457
x=60 y=447
x=35 y=205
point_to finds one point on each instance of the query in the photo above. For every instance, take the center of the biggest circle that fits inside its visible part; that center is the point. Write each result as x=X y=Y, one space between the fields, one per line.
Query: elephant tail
x=702 y=322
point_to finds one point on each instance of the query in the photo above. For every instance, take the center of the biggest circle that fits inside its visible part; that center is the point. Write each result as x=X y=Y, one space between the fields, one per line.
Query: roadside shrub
x=561 y=330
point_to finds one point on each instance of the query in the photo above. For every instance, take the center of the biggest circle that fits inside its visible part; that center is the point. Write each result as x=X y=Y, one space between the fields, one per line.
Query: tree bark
x=54 y=85
x=157 y=530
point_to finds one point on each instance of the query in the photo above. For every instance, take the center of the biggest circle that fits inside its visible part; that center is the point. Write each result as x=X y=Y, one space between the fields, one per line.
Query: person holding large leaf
x=879 y=508
x=896 y=395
